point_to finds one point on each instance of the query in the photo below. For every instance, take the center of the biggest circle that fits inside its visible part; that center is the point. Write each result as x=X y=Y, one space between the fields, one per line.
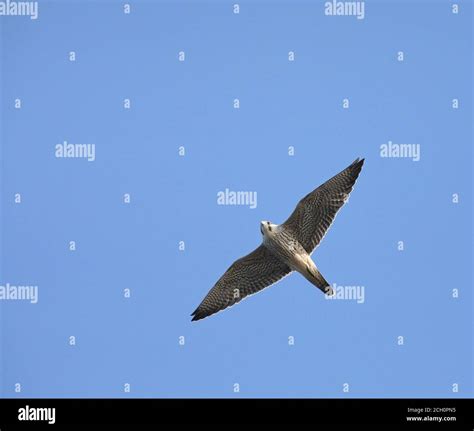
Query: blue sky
x=173 y=198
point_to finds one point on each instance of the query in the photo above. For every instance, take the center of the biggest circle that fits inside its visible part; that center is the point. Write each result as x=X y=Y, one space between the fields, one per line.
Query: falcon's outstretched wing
x=315 y=213
x=245 y=276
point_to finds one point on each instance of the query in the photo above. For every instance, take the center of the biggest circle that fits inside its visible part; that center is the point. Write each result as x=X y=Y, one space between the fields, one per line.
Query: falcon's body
x=281 y=241
x=285 y=248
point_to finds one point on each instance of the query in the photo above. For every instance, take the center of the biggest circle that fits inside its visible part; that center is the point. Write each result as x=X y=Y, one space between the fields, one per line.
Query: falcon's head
x=267 y=228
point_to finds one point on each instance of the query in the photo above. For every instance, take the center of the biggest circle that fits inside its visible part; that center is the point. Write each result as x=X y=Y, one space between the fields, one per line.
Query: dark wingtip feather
x=195 y=312
x=357 y=164
x=197 y=316
x=355 y=167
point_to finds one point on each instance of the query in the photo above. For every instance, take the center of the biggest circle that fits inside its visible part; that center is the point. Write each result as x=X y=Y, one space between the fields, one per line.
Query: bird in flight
x=285 y=248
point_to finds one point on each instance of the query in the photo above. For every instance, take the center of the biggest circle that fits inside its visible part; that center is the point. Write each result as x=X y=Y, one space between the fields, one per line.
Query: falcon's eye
x=269 y=228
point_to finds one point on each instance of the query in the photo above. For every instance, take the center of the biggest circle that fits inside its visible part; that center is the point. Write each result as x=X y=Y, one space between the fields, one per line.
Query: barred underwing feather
x=246 y=276
x=315 y=213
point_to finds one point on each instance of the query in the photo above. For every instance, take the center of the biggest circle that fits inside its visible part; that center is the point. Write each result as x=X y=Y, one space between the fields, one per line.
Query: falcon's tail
x=315 y=277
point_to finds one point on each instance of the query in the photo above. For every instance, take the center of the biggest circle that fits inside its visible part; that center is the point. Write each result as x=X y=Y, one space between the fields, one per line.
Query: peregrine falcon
x=285 y=248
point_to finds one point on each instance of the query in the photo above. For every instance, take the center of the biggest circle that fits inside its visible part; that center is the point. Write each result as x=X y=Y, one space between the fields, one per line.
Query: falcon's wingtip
x=356 y=165
x=197 y=315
